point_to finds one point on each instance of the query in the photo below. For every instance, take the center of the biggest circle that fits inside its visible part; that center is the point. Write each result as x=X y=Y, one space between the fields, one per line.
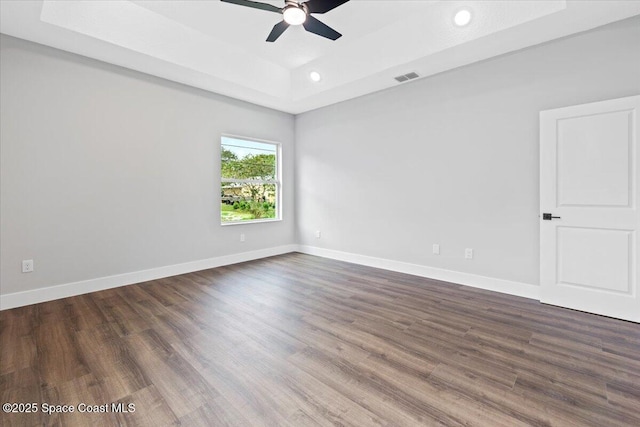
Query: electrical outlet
x=242 y=237
x=27 y=265
x=318 y=234
x=436 y=249
x=468 y=253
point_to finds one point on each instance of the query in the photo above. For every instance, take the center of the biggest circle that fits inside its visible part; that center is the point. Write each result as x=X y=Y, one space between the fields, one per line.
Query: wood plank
x=181 y=386
x=59 y=357
x=297 y=340
x=110 y=361
x=151 y=409
x=17 y=342
x=80 y=393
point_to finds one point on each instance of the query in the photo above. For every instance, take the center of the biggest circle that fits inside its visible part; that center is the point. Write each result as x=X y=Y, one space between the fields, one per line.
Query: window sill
x=253 y=221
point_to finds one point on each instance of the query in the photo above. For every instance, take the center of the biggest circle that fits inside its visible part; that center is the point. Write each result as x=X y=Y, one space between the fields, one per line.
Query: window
x=250 y=184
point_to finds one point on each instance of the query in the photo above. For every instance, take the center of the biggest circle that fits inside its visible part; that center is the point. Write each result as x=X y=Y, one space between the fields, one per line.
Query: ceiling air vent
x=408 y=76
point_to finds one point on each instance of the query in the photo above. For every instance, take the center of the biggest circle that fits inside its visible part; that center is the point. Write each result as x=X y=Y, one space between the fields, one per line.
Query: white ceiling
x=220 y=47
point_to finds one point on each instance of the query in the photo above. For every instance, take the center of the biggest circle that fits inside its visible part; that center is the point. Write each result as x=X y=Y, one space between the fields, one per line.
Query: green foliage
x=247 y=210
x=252 y=166
x=228 y=214
x=228 y=163
x=260 y=166
x=227 y=155
x=261 y=210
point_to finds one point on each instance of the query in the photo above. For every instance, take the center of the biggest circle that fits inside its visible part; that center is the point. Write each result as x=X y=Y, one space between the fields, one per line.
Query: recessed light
x=315 y=76
x=462 y=17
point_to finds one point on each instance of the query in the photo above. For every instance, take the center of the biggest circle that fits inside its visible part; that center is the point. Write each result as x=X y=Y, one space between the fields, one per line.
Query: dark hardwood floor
x=296 y=340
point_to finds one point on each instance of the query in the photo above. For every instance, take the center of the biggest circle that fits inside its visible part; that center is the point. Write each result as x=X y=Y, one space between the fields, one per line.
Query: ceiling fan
x=296 y=13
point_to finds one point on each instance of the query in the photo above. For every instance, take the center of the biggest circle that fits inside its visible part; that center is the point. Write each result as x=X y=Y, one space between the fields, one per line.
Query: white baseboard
x=19 y=299
x=473 y=280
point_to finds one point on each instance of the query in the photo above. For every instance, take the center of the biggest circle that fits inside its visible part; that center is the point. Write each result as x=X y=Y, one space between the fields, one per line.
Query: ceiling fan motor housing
x=297 y=13
x=294 y=3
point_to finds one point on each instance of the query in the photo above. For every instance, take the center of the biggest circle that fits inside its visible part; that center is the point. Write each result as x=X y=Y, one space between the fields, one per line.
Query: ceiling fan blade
x=322 y=6
x=314 y=26
x=277 y=31
x=255 y=5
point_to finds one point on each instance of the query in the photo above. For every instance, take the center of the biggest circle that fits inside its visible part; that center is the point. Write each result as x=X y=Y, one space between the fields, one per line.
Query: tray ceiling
x=220 y=47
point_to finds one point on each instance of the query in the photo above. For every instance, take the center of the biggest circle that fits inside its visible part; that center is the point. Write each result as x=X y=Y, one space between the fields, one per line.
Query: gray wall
x=107 y=171
x=452 y=159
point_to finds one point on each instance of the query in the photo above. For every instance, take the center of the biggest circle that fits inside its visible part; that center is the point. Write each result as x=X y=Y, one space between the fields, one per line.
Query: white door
x=589 y=184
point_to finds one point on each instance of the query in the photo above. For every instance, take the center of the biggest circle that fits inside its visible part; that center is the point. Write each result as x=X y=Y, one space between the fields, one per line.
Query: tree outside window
x=250 y=183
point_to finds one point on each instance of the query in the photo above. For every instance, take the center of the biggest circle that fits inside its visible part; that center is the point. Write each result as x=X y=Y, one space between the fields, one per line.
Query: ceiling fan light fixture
x=297 y=12
x=294 y=15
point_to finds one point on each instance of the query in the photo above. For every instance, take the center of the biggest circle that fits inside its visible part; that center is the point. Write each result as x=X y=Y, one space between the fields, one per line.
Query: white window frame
x=277 y=181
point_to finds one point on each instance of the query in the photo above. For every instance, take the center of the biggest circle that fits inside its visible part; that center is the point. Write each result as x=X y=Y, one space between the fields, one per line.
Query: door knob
x=549 y=217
